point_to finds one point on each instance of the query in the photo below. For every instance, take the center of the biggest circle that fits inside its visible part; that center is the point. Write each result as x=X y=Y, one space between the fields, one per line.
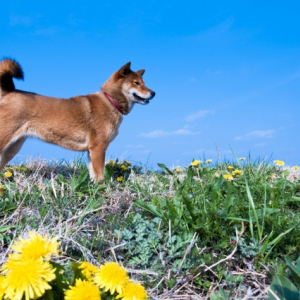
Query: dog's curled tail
x=9 y=69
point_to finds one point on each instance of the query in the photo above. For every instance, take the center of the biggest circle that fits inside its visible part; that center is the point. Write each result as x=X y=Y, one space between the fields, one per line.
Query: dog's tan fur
x=81 y=123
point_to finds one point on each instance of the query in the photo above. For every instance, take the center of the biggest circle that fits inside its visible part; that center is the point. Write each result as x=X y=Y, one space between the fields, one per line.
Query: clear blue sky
x=225 y=72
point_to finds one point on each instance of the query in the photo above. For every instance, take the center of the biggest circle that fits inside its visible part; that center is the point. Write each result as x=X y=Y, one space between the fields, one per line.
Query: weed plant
x=201 y=228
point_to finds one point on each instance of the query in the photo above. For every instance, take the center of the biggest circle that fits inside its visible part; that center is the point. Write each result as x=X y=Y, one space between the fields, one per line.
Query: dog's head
x=130 y=85
x=133 y=85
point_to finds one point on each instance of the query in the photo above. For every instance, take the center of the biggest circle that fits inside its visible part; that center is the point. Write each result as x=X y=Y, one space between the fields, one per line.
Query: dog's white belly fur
x=78 y=143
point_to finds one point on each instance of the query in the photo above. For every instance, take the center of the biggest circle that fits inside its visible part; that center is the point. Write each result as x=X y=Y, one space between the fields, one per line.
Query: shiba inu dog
x=81 y=123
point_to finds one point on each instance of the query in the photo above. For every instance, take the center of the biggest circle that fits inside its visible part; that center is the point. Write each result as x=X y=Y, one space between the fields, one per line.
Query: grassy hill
x=187 y=233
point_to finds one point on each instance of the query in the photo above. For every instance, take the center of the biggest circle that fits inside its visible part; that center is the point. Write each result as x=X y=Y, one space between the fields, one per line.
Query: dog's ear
x=125 y=70
x=141 y=72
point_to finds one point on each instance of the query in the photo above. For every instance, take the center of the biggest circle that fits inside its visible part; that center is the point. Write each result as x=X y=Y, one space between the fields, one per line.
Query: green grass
x=179 y=233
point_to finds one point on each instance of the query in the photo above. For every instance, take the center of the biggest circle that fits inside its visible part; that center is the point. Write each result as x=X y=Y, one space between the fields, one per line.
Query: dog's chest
x=114 y=128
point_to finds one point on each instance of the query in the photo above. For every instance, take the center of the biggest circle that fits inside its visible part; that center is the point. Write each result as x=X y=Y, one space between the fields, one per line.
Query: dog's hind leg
x=10 y=151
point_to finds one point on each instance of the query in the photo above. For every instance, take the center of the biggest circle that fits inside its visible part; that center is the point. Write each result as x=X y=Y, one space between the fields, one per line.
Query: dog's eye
x=137 y=83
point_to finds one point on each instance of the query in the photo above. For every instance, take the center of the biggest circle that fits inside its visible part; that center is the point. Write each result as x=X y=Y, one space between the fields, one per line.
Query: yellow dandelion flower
x=228 y=177
x=7 y=174
x=295 y=167
x=36 y=246
x=279 y=163
x=217 y=174
x=112 y=277
x=196 y=163
x=28 y=277
x=120 y=178
x=133 y=291
x=208 y=161
x=1 y=286
x=237 y=172
x=88 y=270
x=123 y=167
x=23 y=169
x=111 y=161
x=230 y=167
x=242 y=158
x=83 y=290
x=177 y=169
x=17 y=168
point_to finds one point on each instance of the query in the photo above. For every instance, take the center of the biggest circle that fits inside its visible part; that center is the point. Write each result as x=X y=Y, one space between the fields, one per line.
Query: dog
x=81 y=123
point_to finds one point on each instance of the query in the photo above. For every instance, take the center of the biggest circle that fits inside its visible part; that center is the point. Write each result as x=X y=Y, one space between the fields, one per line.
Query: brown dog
x=81 y=123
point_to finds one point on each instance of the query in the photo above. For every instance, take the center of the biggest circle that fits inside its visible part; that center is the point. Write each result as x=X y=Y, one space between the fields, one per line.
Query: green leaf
x=73 y=182
x=295 y=198
x=286 y=172
x=47 y=296
x=61 y=178
x=5 y=228
x=277 y=239
x=108 y=173
x=266 y=243
x=238 y=219
x=6 y=207
x=77 y=272
x=214 y=296
x=190 y=207
x=262 y=212
x=283 y=288
x=61 y=280
x=99 y=189
x=189 y=175
x=173 y=213
x=165 y=168
x=222 y=293
x=295 y=270
x=82 y=177
x=219 y=182
x=177 y=199
x=216 y=189
x=149 y=207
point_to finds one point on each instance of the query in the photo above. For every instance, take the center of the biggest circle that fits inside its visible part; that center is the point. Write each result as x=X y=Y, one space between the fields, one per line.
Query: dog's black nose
x=152 y=94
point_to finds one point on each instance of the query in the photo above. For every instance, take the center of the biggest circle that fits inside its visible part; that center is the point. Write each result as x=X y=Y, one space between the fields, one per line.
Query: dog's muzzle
x=144 y=100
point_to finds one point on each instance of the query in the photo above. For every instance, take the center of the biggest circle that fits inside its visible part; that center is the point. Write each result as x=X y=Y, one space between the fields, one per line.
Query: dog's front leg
x=96 y=162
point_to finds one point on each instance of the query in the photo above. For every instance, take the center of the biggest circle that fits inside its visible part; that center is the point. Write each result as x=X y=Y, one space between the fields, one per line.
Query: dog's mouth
x=140 y=99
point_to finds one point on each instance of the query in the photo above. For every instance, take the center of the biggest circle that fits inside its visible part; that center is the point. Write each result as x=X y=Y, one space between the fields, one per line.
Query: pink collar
x=113 y=102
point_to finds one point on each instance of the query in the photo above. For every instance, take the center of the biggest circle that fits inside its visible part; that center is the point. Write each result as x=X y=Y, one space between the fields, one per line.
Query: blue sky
x=224 y=72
